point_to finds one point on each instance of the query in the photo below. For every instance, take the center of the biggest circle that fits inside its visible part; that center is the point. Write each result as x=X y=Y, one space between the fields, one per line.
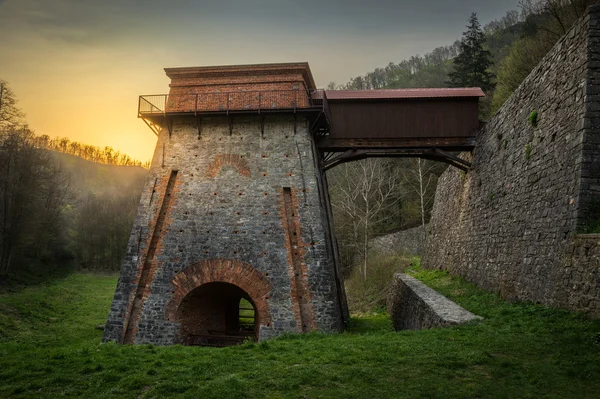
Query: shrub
x=369 y=295
x=533 y=118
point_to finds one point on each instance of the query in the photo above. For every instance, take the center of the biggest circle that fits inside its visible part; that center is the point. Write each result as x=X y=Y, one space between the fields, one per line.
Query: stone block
x=414 y=306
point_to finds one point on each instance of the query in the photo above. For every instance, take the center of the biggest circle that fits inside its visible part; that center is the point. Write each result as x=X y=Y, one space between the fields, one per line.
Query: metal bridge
x=347 y=124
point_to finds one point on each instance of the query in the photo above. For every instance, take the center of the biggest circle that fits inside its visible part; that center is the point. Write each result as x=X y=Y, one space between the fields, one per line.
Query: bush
x=369 y=295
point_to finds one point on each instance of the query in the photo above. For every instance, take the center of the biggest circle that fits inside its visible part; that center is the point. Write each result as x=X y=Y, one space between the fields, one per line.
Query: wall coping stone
x=440 y=310
x=588 y=236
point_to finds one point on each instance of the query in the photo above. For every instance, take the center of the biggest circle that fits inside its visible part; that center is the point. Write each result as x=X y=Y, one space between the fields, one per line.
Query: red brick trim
x=296 y=250
x=232 y=271
x=170 y=186
x=235 y=160
x=264 y=72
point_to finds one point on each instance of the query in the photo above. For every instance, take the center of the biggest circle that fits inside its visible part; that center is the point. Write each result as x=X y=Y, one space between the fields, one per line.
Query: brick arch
x=235 y=160
x=231 y=271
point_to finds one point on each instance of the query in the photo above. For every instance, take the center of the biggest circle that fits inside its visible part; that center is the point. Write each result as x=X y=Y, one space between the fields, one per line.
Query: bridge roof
x=392 y=94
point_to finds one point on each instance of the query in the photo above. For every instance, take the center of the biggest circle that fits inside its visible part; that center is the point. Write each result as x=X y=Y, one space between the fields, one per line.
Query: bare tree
x=421 y=178
x=10 y=114
x=364 y=190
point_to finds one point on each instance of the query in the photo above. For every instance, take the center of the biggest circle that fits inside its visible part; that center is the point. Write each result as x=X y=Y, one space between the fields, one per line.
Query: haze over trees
x=56 y=207
x=106 y=155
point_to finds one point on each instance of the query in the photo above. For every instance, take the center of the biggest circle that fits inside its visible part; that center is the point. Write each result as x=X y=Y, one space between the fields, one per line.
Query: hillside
x=94 y=205
x=89 y=177
x=101 y=210
x=49 y=347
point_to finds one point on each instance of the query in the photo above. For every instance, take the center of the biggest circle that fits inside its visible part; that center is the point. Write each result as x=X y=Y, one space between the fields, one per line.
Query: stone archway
x=206 y=302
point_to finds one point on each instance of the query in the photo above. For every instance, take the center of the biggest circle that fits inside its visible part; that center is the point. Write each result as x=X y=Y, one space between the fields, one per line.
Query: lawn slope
x=49 y=347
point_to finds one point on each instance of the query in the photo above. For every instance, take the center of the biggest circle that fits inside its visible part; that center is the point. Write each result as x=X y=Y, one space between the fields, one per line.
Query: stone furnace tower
x=232 y=237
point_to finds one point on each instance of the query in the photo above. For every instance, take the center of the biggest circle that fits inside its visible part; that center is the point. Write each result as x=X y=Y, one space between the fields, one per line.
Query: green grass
x=246 y=316
x=50 y=348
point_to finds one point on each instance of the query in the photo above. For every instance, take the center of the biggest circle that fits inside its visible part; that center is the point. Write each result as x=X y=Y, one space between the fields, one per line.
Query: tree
x=363 y=191
x=473 y=63
x=524 y=55
x=421 y=177
x=33 y=193
x=547 y=21
x=33 y=188
x=10 y=114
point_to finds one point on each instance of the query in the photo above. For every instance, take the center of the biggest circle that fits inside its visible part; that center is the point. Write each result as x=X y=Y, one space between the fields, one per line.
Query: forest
x=49 y=213
x=61 y=202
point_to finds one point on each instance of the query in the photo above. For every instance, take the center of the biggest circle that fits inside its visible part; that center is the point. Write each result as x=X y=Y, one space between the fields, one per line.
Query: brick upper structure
x=229 y=78
x=239 y=87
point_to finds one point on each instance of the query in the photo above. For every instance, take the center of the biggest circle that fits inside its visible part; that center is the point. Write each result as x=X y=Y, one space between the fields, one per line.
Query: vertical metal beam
x=295 y=123
x=1 y=92
x=330 y=239
x=199 y=124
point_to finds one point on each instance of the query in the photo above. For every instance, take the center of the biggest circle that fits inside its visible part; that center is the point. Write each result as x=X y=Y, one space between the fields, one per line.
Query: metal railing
x=226 y=102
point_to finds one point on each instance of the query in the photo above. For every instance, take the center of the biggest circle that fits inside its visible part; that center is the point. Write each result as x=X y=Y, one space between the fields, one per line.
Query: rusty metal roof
x=402 y=93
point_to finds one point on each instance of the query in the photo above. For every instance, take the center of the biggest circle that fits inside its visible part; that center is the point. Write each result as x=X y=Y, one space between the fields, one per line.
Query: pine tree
x=471 y=66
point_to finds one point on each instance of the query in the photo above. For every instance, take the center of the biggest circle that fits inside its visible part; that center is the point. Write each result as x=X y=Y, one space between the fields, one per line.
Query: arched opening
x=217 y=314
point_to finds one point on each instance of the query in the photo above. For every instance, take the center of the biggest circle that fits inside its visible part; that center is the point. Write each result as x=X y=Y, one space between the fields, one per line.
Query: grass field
x=49 y=347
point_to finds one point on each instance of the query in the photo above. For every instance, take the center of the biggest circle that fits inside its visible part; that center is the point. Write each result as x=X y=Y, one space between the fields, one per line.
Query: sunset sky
x=77 y=66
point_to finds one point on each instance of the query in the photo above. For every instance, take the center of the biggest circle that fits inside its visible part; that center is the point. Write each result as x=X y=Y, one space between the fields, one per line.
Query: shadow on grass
x=32 y=272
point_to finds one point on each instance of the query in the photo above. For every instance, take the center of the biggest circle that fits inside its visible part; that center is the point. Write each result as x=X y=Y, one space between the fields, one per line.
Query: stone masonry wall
x=242 y=208
x=509 y=223
x=414 y=306
x=410 y=241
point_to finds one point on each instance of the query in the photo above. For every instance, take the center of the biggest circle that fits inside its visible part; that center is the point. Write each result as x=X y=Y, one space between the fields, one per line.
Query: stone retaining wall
x=414 y=306
x=410 y=241
x=510 y=223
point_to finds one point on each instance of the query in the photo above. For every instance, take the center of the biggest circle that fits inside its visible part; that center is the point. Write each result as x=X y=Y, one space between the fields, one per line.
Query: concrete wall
x=509 y=223
x=229 y=218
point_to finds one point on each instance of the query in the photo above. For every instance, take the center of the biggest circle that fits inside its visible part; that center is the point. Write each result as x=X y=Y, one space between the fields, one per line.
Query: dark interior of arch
x=217 y=314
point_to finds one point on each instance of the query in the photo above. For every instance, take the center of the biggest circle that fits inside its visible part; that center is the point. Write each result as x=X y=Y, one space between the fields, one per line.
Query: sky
x=77 y=67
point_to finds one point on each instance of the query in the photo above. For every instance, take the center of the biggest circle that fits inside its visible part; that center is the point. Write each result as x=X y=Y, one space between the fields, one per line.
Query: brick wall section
x=508 y=224
x=268 y=86
x=234 y=216
x=297 y=269
x=230 y=271
x=235 y=160
x=254 y=97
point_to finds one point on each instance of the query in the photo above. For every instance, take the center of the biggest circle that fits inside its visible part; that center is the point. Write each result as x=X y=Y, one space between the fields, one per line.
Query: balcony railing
x=243 y=101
